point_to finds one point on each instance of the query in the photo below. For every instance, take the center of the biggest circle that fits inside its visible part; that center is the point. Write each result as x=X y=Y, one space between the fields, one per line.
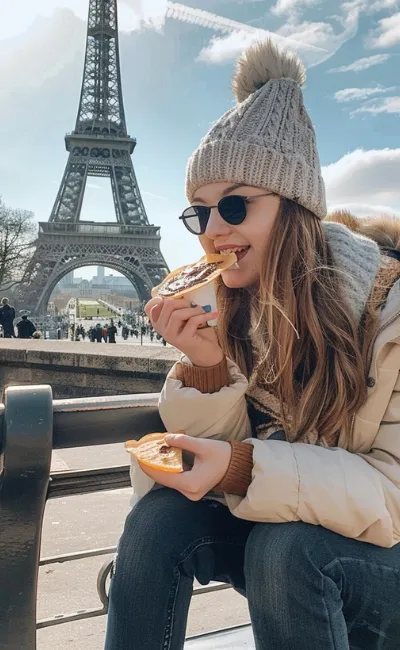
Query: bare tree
x=17 y=240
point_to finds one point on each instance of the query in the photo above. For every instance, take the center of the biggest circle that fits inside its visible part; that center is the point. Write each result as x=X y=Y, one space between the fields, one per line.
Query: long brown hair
x=305 y=345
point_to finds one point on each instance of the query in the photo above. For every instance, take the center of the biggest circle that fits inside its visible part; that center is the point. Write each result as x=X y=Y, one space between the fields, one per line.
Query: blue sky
x=177 y=62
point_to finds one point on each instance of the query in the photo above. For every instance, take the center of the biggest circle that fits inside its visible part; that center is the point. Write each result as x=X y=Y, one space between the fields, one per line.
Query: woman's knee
x=281 y=552
x=150 y=539
x=155 y=524
x=146 y=560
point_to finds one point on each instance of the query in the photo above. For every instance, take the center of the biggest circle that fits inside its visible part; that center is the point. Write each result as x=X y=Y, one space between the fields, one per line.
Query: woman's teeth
x=240 y=253
x=227 y=251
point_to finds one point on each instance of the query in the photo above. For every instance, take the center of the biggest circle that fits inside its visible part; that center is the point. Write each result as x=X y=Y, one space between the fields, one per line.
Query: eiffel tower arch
x=98 y=146
x=132 y=251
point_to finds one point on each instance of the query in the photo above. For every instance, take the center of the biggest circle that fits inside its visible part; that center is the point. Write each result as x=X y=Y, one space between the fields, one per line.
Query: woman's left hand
x=211 y=462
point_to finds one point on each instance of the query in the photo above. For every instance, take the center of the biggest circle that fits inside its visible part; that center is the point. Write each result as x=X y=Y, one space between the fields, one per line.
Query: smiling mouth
x=240 y=252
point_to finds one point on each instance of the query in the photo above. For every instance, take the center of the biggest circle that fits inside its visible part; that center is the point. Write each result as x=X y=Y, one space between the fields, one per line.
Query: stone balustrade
x=84 y=369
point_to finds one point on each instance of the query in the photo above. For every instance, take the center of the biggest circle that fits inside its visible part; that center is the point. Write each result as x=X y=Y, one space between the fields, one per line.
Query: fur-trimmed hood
x=384 y=230
x=367 y=251
x=360 y=247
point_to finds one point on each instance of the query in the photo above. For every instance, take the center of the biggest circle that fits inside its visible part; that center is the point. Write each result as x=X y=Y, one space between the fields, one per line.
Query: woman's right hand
x=178 y=323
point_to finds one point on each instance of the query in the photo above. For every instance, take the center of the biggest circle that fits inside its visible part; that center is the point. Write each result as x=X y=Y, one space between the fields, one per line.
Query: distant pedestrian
x=25 y=328
x=98 y=333
x=104 y=333
x=7 y=315
x=111 y=332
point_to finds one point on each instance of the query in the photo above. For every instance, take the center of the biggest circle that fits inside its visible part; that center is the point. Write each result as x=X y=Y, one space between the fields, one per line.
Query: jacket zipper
x=389 y=322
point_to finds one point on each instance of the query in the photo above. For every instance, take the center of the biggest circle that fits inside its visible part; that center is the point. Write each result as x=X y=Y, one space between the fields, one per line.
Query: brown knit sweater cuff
x=239 y=475
x=206 y=380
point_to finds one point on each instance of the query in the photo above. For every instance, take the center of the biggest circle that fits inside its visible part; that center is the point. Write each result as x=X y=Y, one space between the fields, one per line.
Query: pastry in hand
x=186 y=279
x=153 y=451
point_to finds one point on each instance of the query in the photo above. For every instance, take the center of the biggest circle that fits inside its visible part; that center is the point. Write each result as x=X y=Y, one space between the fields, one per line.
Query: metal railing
x=31 y=426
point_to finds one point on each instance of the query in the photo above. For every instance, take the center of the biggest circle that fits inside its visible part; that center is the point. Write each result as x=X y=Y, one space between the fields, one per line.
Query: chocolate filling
x=190 y=276
x=165 y=449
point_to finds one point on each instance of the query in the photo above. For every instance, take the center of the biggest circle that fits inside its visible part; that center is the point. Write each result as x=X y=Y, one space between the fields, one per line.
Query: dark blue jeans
x=307 y=587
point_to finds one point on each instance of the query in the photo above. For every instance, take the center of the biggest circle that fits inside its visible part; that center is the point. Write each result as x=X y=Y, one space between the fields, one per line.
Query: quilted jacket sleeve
x=355 y=495
x=221 y=415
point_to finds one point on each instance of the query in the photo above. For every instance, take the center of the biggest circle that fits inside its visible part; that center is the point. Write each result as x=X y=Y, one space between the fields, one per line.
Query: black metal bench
x=31 y=426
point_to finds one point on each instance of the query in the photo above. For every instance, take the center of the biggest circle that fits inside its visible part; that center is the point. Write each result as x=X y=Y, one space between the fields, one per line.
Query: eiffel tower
x=99 y=146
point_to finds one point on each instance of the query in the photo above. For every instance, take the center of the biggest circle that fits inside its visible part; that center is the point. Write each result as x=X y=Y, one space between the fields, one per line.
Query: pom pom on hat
x=269 y=140
x=264 y=61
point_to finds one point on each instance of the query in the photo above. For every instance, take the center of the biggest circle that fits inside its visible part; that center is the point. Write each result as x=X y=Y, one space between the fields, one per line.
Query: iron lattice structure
x=99 y=146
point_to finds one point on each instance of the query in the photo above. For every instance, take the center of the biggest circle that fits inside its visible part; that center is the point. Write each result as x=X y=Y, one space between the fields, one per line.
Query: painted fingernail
x=215 y=314
x=207 y=308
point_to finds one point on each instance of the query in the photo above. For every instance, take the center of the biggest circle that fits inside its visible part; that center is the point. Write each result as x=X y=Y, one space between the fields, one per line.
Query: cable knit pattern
x=358 y=258
x=267 y=141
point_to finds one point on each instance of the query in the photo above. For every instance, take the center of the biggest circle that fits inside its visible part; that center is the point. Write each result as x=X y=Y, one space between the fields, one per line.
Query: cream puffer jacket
x=353 y=490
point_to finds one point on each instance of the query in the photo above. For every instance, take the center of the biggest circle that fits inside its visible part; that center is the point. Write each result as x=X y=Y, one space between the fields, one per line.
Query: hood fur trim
x=384 y=230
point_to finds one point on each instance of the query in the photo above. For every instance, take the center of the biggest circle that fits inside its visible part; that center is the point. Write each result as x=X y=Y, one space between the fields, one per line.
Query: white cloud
x=391 y=105
x=366 y=182
x=206 y=19
x=17 y=16
x=292 y=6
x=226 y=48
x=222 y=50
x=316 y=42
x=380 y=5
x=238 y=35
x=350 y=94
x=323 y=35
x=365 y=209
x=307 y=32
x=25 y=63
x=387 y=33
x=150 y=13
x=362 y=64
x=370 y=7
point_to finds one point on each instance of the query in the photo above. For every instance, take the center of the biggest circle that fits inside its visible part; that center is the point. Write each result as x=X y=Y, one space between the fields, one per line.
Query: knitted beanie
x=267 y=139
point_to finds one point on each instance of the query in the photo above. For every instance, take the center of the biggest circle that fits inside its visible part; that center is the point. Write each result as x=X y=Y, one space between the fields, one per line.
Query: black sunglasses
x=233 y=210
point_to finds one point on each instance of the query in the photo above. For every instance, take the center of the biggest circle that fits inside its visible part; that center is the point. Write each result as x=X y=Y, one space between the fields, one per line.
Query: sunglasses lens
x=232 y=209
x=195 y=219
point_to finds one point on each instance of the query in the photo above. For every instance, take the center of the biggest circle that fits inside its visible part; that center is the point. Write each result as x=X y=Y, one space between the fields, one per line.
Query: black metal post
x=26 y=447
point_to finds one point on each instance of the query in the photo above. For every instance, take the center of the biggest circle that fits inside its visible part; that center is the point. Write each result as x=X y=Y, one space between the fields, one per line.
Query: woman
x=290 y=409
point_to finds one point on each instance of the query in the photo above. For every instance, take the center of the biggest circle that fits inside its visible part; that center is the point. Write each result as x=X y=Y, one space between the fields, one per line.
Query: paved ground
x=94 y=521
